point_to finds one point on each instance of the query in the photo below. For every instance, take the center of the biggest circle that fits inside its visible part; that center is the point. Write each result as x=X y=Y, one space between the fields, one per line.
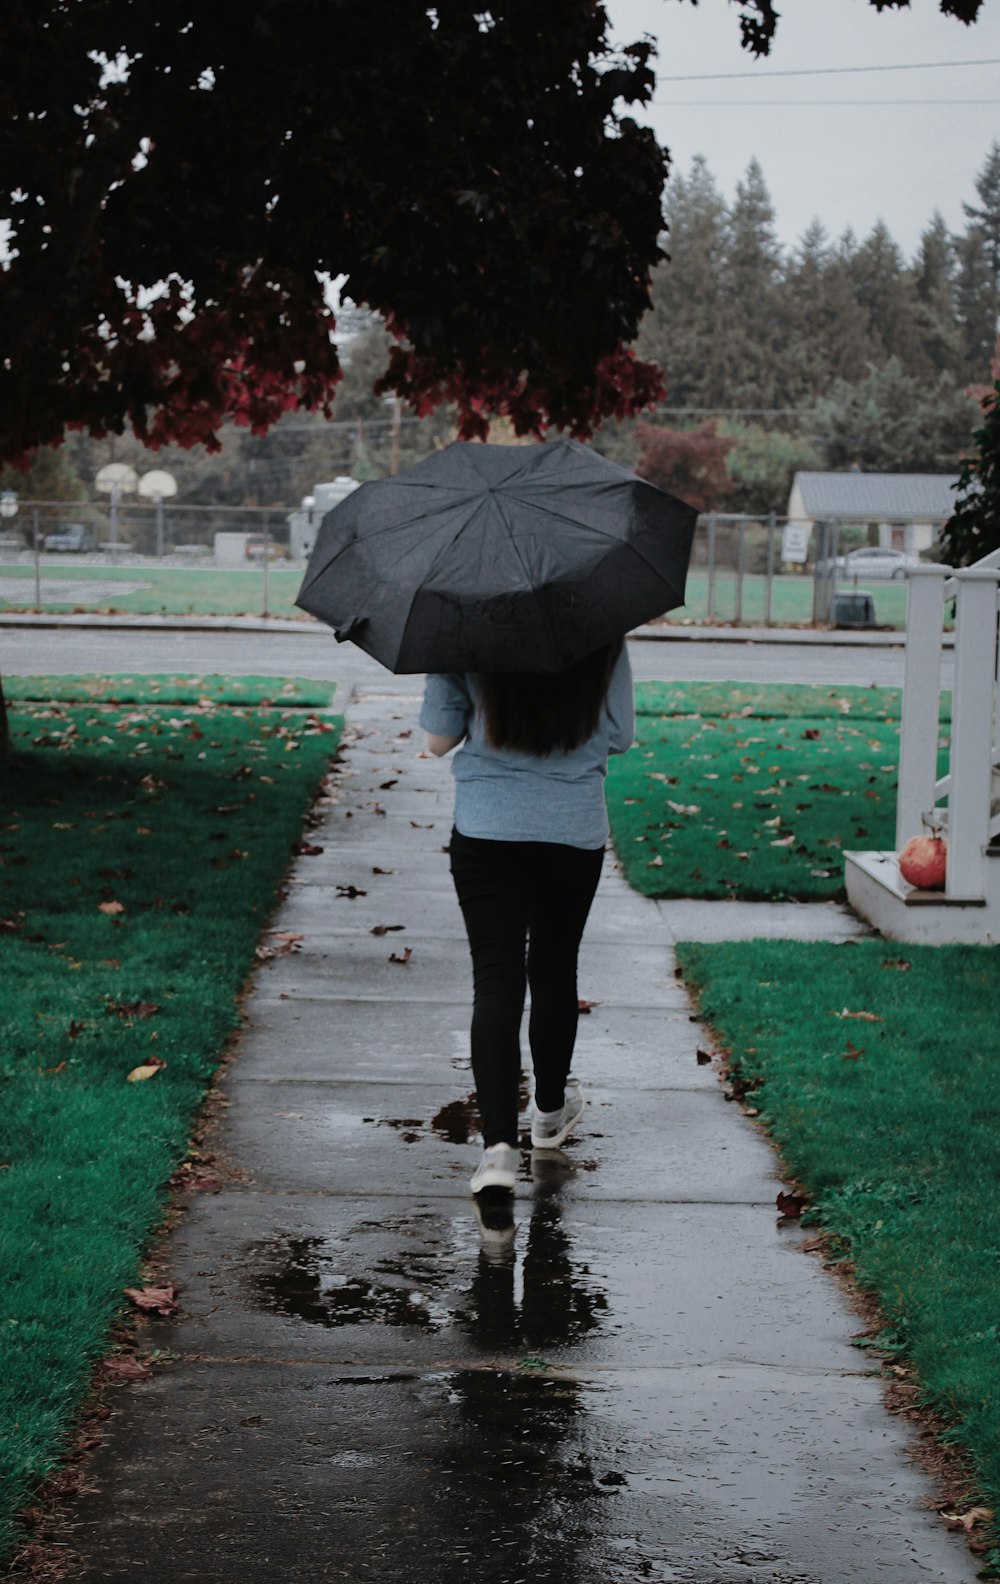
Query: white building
x=909 y=508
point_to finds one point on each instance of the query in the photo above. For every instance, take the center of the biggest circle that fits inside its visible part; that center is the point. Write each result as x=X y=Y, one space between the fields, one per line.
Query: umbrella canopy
x=498 y=558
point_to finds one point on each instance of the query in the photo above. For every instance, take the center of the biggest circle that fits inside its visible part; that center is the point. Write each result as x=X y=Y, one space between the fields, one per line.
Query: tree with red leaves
x=184 y=176
x=690 y=463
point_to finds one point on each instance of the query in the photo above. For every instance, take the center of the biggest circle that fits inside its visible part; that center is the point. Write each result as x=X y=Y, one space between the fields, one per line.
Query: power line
x=824 y=71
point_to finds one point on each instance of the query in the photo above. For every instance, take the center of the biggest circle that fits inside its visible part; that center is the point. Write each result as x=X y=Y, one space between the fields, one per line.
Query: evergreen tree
x=751 y=272
x=886 y=293
x=934 y=282
x=683 y=331
x=979 y=272
x=824 y=326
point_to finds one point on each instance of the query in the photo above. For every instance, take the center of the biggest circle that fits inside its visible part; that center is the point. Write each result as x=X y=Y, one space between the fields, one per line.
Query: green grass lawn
x=170 y=591
x=873 y=1067
x=141 y=848
x=240 y=590
x=754 y=792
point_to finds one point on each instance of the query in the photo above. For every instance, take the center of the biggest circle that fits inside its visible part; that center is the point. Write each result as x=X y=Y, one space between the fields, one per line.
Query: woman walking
x=526 y=852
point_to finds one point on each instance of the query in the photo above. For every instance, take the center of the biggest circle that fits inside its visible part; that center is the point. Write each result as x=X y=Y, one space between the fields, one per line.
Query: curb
x=652 y=632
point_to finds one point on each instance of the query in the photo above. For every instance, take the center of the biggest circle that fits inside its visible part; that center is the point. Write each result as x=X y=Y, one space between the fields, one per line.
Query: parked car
x=871 y=561
x=71 y=536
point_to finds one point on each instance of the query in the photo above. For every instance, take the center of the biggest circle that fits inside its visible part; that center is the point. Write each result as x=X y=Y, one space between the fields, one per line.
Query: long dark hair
x=540 y=712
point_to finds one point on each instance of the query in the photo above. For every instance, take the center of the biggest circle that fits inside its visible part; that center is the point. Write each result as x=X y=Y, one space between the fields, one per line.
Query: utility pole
x=394 y=453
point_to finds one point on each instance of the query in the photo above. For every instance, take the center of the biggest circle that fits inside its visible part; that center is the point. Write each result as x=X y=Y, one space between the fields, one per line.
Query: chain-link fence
x=171 y=558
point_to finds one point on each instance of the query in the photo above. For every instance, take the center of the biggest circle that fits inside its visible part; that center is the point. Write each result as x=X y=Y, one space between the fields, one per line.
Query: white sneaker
x=549 y=1130
x=497 y=1169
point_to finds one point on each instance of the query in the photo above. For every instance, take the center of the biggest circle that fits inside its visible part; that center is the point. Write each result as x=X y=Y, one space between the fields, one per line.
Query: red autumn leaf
x=853 y=1052
x=154 y=1300
x=791 y=1204
x=407 y=954
x=585 y=1006
x=811 y=732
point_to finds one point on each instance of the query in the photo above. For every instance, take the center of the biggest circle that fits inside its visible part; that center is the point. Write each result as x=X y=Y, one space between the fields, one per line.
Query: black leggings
x=512 y=894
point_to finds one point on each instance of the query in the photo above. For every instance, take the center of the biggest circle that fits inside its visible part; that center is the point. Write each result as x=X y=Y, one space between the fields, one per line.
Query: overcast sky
x=849 y=164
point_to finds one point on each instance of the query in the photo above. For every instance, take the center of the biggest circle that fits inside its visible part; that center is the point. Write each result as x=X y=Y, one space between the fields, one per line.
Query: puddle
x=527 y=1294
x=306 y=1285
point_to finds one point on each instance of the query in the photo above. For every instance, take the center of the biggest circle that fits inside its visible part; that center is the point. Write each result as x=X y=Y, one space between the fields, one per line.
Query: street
x=43 y=651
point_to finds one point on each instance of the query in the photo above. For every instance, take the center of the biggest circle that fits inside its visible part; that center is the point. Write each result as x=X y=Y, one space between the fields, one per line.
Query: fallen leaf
x=306 y=849
x=585 y=1006
x=147 y=1069
x=110 y=907
x=791 y=1204
x=784 y=841
x=351 y=891
x=853 y=1052
x=385 y=929
x=703 y=1057
x=811 y=732
x=377 y=870
x=968 y=1520
x=867 y=1017
x=125 y=1367
x=407 y=954
x=384 y=786
x=133 y=1009
x=655 y=863
x=897 y=962
x=153 y=1300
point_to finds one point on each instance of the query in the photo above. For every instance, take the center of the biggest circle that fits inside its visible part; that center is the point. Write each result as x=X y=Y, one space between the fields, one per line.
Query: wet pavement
x=641 y=1375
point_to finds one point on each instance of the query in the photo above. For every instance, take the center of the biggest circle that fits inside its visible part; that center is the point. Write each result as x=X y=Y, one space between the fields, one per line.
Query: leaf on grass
x=897 y=962
x=784 y=841
x=407 y=954
x=655 y=863
x=812 y=732
x=153 y=1300
x=385 y=929
x=146 y=1070
x=866 y=1017
x=853 y=1052
x=683 y=808
x=791 y=1204
x=133 y=1009
x=110 y=907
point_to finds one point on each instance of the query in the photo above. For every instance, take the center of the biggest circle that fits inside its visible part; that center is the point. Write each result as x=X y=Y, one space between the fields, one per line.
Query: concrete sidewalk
x=653 y=1382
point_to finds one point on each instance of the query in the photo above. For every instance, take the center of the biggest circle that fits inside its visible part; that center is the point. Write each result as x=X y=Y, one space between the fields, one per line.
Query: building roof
x=892 y=497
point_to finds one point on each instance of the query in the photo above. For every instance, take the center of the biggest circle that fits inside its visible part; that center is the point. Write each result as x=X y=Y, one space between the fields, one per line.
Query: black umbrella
x=498 y=558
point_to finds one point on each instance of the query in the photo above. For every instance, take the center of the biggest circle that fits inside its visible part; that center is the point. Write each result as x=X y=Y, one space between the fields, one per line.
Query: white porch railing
x=967 y=799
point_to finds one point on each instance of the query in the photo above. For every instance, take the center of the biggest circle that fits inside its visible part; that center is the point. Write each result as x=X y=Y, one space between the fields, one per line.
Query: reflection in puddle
x=306 y=1285
x=527 y=1292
